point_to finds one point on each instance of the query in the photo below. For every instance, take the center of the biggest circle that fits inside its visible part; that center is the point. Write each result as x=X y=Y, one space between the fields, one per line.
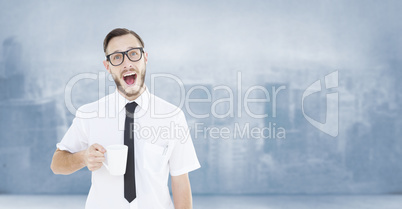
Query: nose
x=127 y=62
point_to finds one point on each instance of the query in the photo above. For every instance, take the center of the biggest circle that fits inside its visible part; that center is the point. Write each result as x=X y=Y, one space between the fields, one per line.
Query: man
x=150 y=157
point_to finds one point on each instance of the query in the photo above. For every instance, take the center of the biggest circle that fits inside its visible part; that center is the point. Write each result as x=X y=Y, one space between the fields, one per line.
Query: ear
x=106 y=64
x=146 y=57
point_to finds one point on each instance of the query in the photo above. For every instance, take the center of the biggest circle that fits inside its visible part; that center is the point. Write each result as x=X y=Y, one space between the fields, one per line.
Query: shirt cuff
x=63 y=147
x=185 y=170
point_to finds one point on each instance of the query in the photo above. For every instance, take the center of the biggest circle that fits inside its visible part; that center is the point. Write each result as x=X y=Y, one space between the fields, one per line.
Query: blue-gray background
x=44 y=44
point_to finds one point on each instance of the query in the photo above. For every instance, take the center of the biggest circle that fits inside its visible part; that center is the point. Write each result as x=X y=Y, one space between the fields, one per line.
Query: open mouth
x=130 y=78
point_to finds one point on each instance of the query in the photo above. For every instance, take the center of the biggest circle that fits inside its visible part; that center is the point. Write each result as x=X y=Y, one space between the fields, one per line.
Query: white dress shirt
x=162 y=144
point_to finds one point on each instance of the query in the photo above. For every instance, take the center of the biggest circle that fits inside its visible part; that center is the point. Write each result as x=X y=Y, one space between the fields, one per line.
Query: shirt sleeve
x=183 y=158
x=75 y=139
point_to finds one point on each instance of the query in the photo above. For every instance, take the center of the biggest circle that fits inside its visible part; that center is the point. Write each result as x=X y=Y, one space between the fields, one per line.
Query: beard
x=120 y=87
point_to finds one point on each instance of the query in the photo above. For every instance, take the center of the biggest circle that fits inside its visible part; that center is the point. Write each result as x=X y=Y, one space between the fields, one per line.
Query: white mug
x=116 y=157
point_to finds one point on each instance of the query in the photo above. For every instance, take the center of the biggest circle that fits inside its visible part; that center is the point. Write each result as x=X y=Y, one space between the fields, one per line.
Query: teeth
x=129 y=74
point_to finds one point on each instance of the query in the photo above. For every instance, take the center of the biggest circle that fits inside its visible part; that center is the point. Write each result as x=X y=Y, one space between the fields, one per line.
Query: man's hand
x=65 y=163
x=94 y=156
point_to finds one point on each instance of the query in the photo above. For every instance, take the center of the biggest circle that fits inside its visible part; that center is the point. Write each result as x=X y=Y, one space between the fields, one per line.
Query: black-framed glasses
x=133 y=54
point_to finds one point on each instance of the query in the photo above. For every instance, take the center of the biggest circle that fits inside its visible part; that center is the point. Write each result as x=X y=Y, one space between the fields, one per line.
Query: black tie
x=129 y=177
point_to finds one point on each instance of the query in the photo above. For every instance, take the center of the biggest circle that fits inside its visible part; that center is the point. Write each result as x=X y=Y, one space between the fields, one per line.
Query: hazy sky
x=205 y=41
x=209 y=33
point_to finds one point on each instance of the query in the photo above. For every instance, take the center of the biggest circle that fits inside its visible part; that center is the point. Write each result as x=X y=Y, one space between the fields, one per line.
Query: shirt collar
x=142 y=100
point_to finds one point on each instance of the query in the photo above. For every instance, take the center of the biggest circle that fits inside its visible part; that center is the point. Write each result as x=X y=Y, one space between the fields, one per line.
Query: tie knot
x=130 y=107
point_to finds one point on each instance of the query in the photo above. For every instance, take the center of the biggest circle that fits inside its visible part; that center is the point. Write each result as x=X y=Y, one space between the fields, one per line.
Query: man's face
x=129 y=76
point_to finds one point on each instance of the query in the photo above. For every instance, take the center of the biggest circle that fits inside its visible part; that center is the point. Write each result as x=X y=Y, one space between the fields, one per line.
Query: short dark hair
x=120 y=32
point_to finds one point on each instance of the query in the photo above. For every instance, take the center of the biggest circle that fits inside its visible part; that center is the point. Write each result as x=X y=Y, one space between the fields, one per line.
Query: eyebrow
x=126 y=49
